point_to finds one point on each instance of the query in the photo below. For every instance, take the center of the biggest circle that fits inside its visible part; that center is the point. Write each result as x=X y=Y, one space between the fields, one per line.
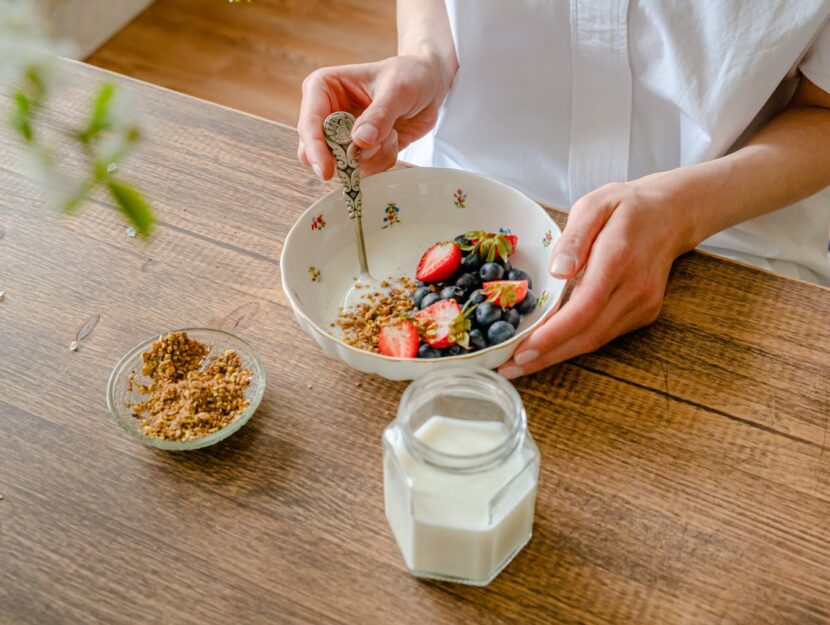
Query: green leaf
x=491 y=252
x=502 y=248
x=133 y=205
x=22 y=117
x=100 y=118
x=508 y=244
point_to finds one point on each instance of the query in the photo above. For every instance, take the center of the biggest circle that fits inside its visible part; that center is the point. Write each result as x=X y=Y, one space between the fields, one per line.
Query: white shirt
x=558 y=97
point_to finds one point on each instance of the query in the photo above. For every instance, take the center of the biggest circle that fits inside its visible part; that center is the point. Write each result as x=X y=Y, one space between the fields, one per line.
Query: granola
x=186 y=401
x=361 y=324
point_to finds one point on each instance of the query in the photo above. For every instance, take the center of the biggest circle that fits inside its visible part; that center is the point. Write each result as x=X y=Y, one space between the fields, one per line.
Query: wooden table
x=684 y=474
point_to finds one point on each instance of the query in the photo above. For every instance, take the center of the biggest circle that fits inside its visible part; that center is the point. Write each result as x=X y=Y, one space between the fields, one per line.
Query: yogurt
x=459 y=520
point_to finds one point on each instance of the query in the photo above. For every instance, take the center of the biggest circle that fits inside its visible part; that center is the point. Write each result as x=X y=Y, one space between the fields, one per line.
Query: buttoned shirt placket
x=601 y=95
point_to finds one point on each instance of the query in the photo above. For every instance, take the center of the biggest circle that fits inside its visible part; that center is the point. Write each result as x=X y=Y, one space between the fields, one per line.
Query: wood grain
x=249 y=56
x=684 y=477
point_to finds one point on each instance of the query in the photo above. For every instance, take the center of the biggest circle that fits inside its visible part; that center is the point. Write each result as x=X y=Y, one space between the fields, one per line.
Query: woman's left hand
x=625 y=236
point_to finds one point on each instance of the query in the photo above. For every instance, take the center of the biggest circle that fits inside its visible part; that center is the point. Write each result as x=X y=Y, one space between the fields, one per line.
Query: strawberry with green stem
x=444 y=323
x=505 y=293
x=490 y=245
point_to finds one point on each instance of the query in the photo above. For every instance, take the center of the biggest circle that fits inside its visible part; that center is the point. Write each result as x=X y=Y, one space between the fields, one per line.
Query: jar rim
x=464 y=463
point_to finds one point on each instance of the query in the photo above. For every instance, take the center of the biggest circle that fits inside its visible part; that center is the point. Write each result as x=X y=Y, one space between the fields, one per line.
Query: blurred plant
x=106 y=137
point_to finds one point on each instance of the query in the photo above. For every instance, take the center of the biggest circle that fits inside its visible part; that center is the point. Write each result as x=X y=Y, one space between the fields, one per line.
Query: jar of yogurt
x=459 y=475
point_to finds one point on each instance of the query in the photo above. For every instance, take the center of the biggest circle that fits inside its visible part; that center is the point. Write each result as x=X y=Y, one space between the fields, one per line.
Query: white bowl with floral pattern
x=404 y=212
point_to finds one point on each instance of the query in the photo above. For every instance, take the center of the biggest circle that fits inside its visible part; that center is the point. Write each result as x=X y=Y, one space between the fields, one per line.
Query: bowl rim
x=123 y=419
x=403 y=173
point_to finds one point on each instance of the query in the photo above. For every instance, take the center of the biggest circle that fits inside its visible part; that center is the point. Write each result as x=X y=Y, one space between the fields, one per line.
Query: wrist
x=679 y=205
x=436 y=65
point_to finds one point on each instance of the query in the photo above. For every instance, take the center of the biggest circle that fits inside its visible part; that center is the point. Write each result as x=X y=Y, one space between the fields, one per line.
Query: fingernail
x=316 y=169
x=510 y=372
x=526 y=356
x=562 y=265
x=366 y=133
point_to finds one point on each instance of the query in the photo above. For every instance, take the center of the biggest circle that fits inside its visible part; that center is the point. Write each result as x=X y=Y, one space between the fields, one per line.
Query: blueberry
x=429 y=299
x=427 y=351
x=419 y=283
x=468 y=281
x=505 y=264
x=461 y=239
x=486 y=314
x=528 y=304
x=471 y=262
x=419 y=294
x=454 y=350
x=476 y=297
x=477 y=340
x=499 y=332
x=490 y=272
x=519 y=274
x=453 y=292
x=512 y=317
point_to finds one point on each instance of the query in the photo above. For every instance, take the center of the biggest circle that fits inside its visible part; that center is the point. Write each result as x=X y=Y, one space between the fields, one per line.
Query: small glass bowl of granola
x=186 y=389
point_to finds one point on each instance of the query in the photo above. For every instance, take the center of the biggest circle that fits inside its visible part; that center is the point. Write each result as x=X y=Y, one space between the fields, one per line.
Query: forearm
x=786 y=161
x=424 y=30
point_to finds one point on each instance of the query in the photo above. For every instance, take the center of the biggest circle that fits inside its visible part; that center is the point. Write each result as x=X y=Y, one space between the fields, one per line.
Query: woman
x=664 y=125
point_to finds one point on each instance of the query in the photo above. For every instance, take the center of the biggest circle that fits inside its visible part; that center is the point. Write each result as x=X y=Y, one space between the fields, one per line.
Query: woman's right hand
x=395 y=102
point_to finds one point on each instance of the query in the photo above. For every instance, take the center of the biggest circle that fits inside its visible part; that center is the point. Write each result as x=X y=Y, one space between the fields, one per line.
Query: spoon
x=337 y=129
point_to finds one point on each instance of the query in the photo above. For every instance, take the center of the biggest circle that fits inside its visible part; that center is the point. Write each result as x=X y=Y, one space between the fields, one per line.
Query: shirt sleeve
x=816 y=63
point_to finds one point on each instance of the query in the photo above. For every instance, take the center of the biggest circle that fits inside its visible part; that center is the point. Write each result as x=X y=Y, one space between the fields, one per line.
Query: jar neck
x=462 y=394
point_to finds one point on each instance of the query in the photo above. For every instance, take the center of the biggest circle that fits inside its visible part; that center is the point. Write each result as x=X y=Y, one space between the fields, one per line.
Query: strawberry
x=399 y=339
x=490 y=245
x=505 y=293
x=444 y=323
x=439 y=262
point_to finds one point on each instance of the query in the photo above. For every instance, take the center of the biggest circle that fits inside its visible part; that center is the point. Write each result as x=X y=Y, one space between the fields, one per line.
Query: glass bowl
x=119 y=395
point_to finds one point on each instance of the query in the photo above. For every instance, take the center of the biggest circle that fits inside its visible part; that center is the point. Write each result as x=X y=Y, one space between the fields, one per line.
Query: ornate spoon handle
x=338 y=131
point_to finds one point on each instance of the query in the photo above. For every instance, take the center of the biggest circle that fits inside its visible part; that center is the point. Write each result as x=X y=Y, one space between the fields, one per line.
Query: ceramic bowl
x=404 y=212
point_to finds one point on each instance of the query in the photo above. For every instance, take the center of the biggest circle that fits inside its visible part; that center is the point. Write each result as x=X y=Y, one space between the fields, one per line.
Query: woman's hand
x=395 y=101
x=625 y=236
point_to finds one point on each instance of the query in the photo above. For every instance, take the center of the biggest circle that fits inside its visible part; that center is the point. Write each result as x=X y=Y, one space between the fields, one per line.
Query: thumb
x=374 y=126
x=585 y=220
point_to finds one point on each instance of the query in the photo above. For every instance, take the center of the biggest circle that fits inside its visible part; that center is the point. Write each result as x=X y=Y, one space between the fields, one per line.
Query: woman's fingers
x=301 y=155
x=587 y=302
x=614 y=321
x=587 y=308
x=377 y=122
x=585 y=220
x=380 y=157
x=322 y=94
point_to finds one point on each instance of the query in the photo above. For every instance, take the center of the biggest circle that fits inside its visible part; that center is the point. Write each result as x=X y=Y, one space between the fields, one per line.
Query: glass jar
x=459 y=475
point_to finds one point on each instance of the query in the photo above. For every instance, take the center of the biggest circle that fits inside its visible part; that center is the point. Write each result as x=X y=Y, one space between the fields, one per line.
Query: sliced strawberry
x=505 y=293
x=399 y=339
x=444 y=323
x=490 y=245
x=439 y=262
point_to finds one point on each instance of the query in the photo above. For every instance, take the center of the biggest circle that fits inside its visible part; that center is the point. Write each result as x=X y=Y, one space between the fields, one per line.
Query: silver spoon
x=338 y=131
